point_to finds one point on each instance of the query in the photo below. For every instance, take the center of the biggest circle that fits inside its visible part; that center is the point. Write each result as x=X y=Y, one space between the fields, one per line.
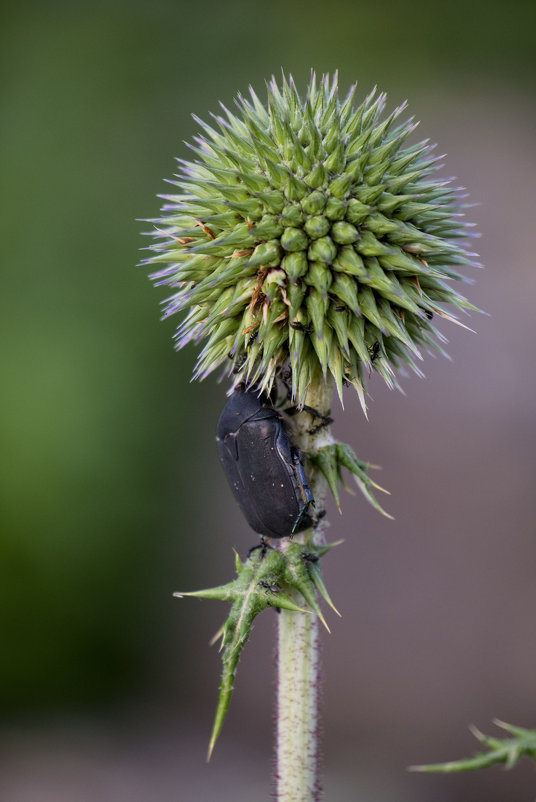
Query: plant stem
x=298 y=657
x=297 y=714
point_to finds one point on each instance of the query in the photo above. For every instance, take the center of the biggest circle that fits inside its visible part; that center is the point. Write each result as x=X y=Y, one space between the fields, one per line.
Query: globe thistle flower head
x=307 y=232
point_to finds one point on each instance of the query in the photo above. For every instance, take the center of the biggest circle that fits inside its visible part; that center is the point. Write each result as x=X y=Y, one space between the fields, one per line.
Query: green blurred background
x=111 y=494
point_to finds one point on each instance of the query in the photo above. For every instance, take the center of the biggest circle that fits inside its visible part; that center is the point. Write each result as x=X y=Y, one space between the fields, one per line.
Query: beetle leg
x=325 y=420
x=285 y=376
x=307 y=496
x=264 y=545
x=301 y=513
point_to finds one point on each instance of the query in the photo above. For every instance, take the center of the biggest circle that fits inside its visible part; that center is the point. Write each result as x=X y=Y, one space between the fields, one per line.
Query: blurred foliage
x=102 y=468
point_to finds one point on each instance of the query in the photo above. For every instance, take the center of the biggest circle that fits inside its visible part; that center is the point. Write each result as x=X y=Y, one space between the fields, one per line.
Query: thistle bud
x=312 y=209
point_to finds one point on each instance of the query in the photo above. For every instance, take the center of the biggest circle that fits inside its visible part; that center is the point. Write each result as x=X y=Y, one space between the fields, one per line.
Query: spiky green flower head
x=308 y=232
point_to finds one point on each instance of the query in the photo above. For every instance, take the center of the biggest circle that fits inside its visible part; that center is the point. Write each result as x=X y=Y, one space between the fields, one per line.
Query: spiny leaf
x=263 y=580
x=331 y=458
x=501 y=750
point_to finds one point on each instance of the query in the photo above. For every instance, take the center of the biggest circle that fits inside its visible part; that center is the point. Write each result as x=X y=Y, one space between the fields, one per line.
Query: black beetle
x=263 y=467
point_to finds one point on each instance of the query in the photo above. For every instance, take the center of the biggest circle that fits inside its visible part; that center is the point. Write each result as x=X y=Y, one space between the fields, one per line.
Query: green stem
x=297 y=714
x=298 y=658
